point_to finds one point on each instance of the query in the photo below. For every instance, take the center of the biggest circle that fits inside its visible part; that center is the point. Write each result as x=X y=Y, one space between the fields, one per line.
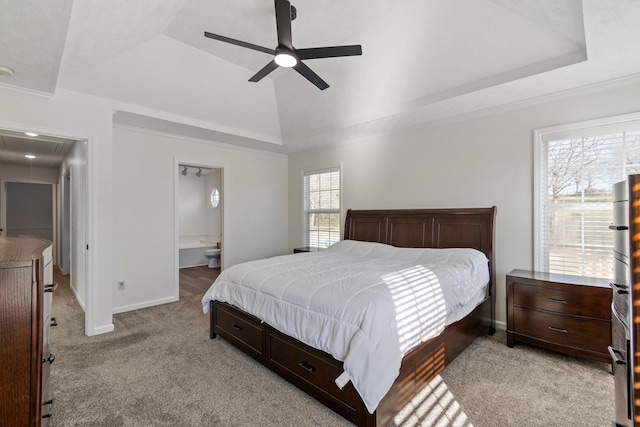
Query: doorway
x=199 y=227
x=62 y=162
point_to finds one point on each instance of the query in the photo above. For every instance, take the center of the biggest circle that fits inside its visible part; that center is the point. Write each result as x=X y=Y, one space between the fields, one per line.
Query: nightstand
x=568 y=314
x=305 y=249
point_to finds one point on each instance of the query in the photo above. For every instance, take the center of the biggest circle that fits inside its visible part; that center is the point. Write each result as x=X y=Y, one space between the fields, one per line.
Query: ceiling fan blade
x=328 y=52
x=265 y=70
x=308 y=74
x=239 y=43
x=283 y=23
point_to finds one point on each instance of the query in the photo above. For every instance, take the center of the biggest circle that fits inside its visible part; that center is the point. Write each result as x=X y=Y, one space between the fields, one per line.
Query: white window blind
x=322 y=207
x=577 y=170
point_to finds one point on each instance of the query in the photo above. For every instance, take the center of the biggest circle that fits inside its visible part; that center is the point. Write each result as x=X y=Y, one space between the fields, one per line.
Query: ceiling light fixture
x=5 y=71
x=32 y=134
x=199 y=173
x=30 y=156
x=184 y=171
x=285 y=59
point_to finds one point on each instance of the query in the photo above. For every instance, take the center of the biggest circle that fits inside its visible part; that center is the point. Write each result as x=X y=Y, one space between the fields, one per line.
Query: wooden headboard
x=428 y=228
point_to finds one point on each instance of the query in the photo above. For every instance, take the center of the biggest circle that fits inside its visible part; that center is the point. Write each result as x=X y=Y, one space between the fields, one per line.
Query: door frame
x=176 y=216
x=90 y=305
x=65 y=214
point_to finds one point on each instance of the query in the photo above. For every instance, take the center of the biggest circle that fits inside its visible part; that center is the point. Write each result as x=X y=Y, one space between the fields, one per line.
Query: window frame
x=540 y=135
x=314 y=171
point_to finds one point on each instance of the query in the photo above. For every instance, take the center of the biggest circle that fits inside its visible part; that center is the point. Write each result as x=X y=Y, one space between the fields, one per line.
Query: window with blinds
x=576 y=172
x=322 y=207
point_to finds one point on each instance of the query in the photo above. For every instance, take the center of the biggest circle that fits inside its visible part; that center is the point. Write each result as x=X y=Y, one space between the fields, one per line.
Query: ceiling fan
x=285 y=55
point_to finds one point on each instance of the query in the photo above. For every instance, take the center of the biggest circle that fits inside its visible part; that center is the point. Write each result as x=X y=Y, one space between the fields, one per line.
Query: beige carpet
x=159 y=368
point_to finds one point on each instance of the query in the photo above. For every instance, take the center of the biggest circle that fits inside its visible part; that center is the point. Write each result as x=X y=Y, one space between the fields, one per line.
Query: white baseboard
x=102 y=330
x=145 y=304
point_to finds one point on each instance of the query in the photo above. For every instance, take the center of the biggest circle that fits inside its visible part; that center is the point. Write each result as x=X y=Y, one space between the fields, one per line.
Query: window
x=576 y=168
x=321 y=207
x=215 y=198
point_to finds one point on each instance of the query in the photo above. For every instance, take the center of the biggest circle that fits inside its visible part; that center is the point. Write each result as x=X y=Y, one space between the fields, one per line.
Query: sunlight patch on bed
x=419 y=303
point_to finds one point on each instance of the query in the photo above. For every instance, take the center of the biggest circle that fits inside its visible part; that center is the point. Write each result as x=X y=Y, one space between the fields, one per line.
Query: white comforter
x=366 y=304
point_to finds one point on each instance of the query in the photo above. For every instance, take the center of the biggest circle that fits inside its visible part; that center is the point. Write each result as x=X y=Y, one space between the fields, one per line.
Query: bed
x=316 y=366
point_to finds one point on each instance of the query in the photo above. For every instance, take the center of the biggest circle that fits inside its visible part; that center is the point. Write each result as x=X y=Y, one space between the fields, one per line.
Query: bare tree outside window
x=580 y=173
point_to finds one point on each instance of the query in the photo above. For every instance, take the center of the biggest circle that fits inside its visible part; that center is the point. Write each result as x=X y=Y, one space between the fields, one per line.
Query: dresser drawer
x=245 y=331
x=581 y=301
x=309 y=365
x=571 y=331
x=621 y=306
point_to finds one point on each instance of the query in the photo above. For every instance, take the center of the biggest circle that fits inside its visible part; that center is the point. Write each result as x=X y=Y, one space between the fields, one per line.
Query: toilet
x=213 y=255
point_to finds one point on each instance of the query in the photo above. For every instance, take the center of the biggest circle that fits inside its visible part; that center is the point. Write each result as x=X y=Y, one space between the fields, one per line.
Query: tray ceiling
x=422 y=61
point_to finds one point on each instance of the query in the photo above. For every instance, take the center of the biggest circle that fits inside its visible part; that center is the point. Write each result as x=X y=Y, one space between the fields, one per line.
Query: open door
x=65 y=237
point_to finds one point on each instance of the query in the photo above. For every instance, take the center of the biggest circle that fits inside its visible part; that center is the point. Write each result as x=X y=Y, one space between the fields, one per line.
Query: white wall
x=144 y=220
x=28 y=174
x=78 y=116
x=479 y=162
x=255 y=198
x=191 y=205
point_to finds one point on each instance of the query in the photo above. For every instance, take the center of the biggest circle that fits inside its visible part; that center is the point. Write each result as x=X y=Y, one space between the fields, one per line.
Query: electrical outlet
x=121 y=285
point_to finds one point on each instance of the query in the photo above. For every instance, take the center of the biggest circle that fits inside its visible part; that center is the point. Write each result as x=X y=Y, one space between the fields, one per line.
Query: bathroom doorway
x=199 y=214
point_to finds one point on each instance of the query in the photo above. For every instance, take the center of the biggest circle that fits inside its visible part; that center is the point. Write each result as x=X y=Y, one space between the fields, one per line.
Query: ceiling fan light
x=285 y=59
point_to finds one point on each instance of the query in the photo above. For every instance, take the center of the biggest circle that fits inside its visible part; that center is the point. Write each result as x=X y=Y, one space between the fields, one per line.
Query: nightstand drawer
x=572 y=331
x=580 y=303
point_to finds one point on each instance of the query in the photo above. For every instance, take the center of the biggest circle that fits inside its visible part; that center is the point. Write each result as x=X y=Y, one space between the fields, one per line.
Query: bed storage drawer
x=243 y=330
x=315 y=369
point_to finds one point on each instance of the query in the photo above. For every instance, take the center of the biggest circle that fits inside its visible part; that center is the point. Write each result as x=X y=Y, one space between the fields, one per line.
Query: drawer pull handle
x=306 y=367
x=50 y=287
x=54 y=322
x=554 y=329
x=559 y=301
x=50 y=414
x=49 y=359
x=618 y=227
x=237 y=327
x=614 y=356
x=621 y=289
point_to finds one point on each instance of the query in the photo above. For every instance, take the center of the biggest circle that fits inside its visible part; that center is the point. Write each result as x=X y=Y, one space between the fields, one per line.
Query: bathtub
x=192 y=247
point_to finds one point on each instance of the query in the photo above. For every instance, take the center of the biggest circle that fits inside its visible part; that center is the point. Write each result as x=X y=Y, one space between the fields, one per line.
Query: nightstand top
x=306 y=249
x=559 y=278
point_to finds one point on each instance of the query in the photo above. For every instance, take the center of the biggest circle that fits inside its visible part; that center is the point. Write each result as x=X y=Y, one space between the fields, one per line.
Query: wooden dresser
x=568 y=314
x=26 y=288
